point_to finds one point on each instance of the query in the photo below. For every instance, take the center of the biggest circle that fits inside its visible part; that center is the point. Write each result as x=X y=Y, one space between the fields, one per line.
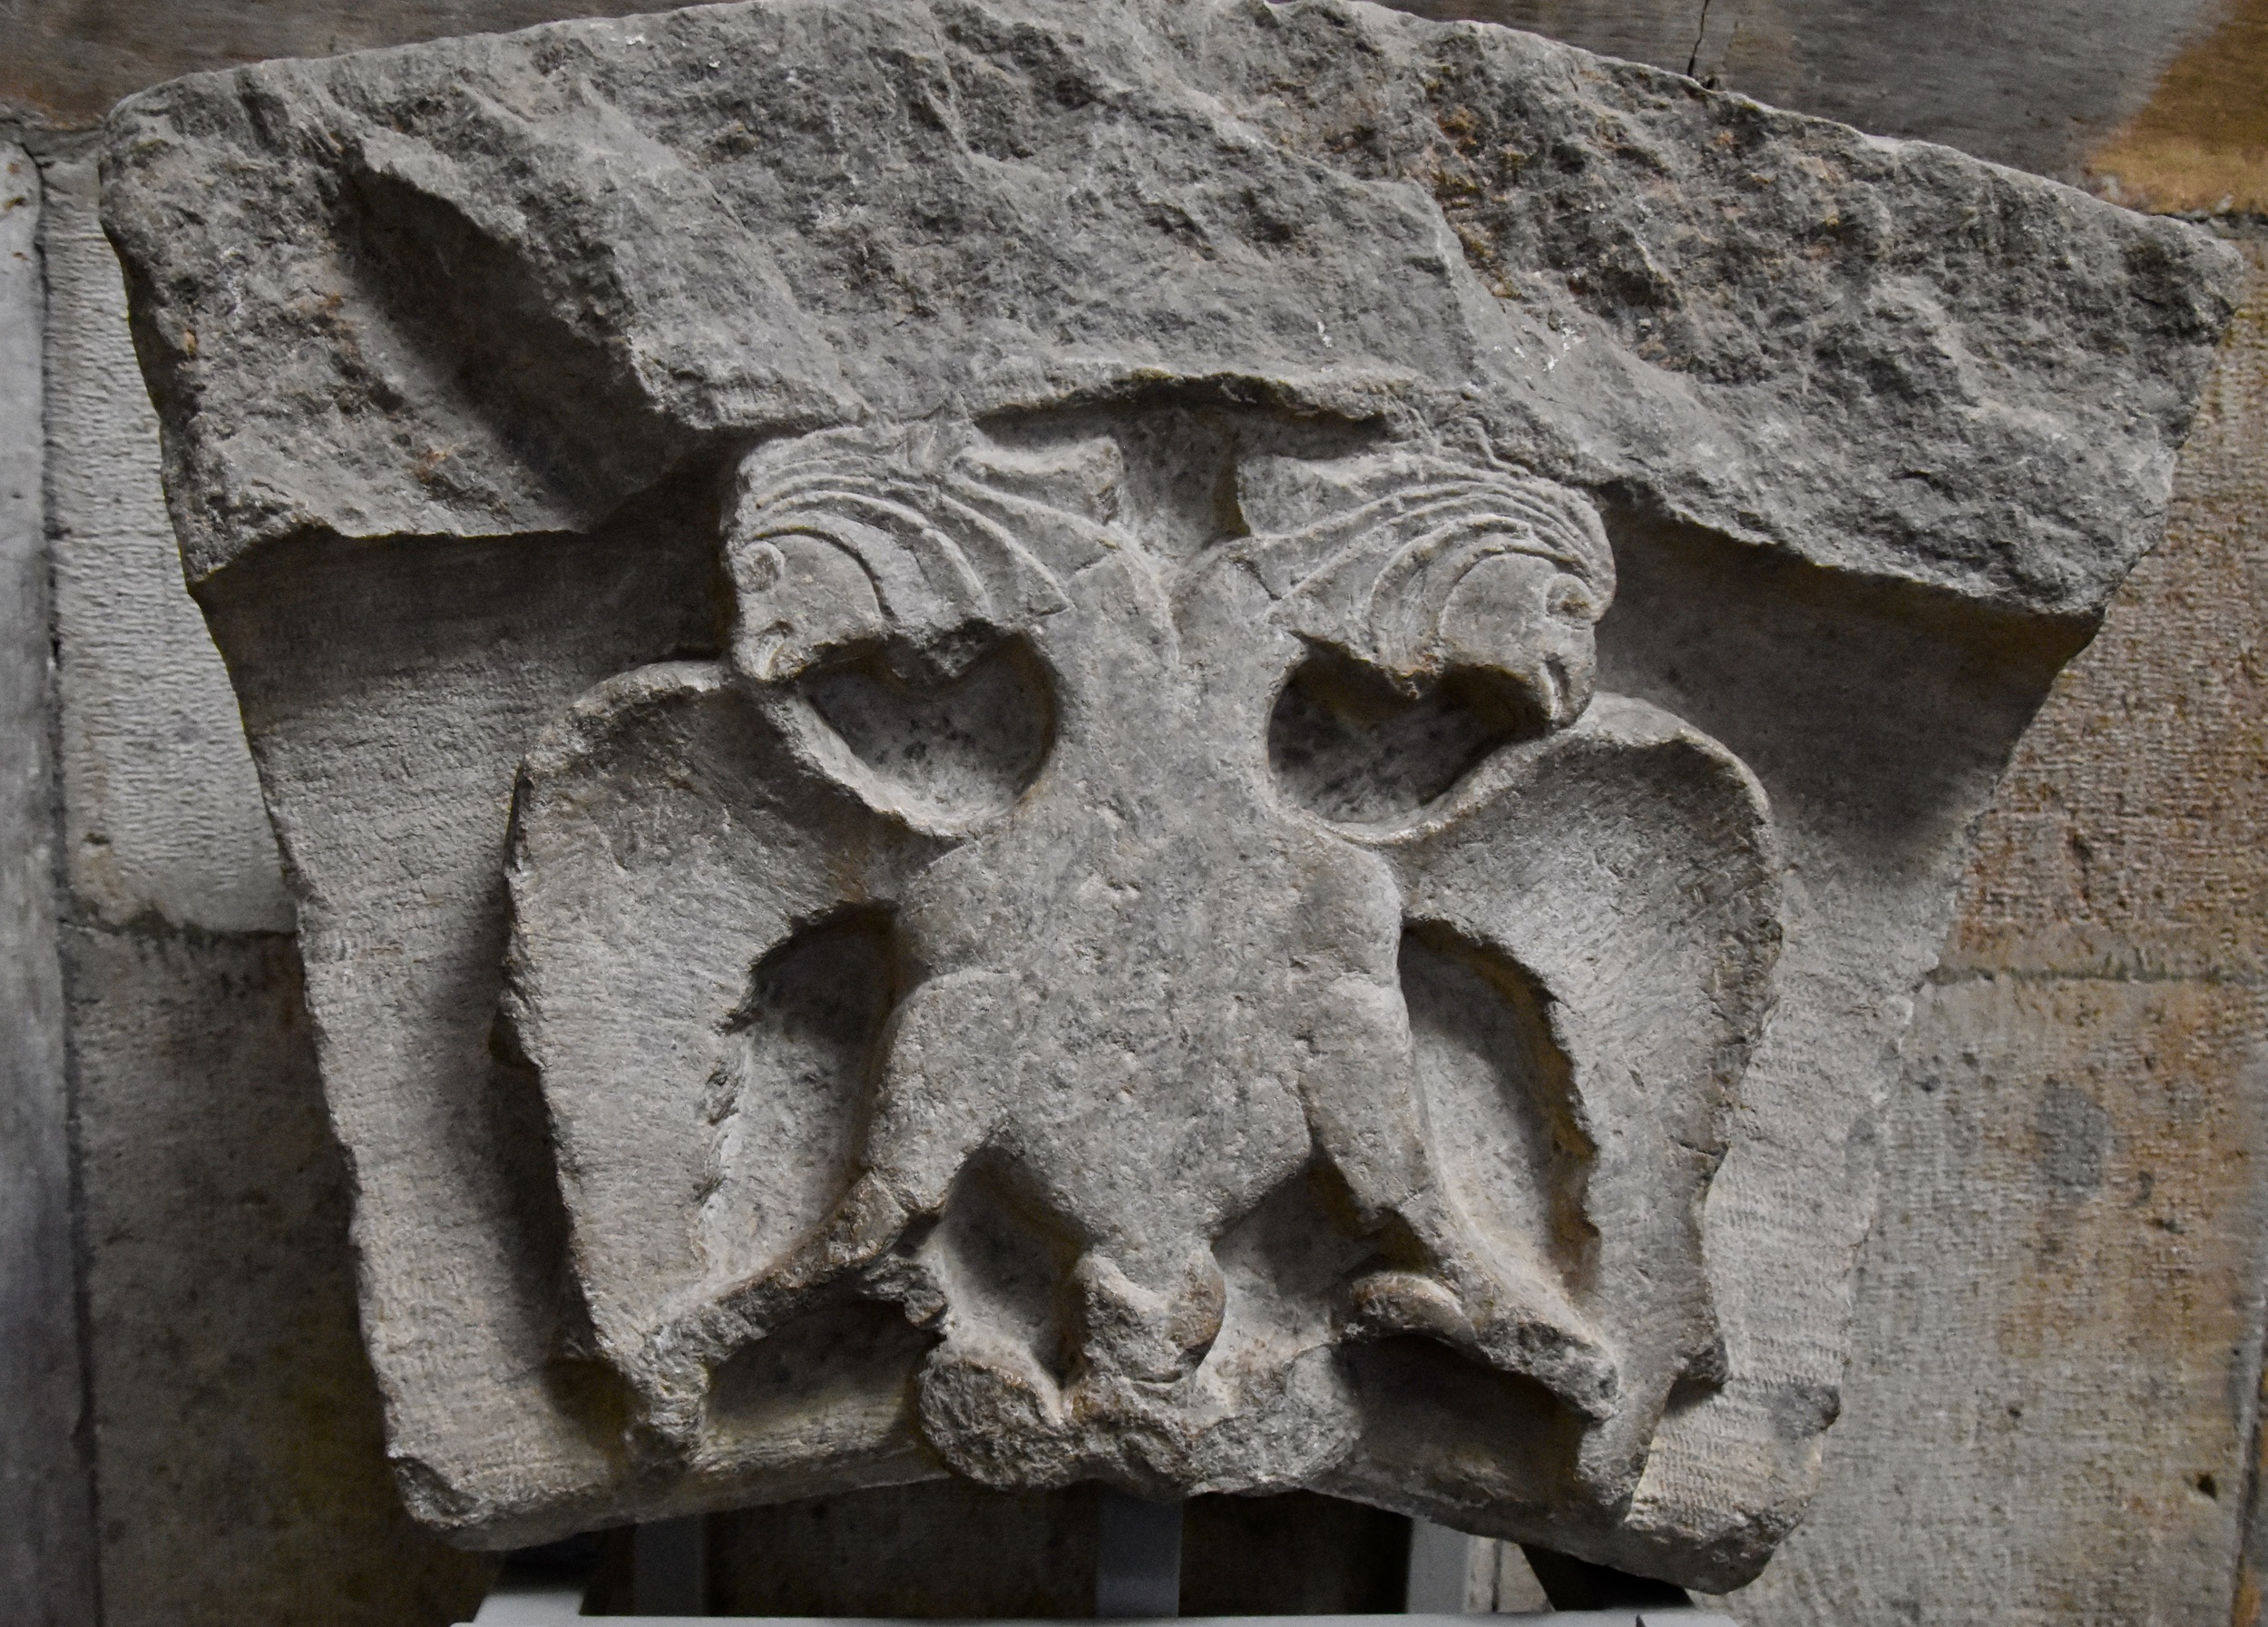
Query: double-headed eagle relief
x=974 y=941
x=1203 y=744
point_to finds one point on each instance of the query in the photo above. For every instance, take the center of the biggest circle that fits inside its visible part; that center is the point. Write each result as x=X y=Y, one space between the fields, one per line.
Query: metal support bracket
x=1138 y=1579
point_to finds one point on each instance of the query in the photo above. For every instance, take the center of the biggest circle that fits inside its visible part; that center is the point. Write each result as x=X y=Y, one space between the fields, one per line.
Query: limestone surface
x=1196 y=743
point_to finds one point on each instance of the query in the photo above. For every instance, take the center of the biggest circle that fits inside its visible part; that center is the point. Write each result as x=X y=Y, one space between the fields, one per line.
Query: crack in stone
x=1699 y=34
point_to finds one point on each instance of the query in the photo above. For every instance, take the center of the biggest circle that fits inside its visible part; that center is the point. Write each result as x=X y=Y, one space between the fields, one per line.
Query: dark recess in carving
x=1345 y=742
x=967 y=747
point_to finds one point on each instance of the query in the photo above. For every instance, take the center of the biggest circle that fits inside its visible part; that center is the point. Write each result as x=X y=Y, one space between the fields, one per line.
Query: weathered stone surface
x=237 y=1430
x=2053 y=1396
x=1084 y=924
x=46 y=1506
x=1865 y=352
x=2035 y=84
x=1126 y=989
x=233 y=1423
x=162 y=811
x=2088 y=867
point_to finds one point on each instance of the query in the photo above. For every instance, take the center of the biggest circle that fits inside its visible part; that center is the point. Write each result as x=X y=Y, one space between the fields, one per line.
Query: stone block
x=2130 y=840
x=2049 y=1414
x=2054 y=1379
x=46 y=1504
x=234 y=1439
x=236 y=1427
x=944 y=785
x=163 y=815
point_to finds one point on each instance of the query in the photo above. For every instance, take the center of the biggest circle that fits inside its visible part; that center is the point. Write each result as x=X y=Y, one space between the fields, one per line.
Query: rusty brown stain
x=2201 y=144
x=2129 y=838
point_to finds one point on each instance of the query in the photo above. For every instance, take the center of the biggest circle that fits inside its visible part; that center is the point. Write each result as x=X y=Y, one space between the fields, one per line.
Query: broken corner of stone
x=1195 y=743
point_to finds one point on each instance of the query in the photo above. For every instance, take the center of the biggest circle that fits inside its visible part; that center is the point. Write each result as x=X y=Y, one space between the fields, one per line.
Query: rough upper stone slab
x=734 y=221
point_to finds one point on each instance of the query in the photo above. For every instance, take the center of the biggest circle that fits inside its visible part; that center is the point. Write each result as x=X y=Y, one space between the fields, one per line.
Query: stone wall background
x=2053 y=1410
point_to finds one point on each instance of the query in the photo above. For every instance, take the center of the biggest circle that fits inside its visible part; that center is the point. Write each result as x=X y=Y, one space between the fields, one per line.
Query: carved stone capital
x=1183 y=741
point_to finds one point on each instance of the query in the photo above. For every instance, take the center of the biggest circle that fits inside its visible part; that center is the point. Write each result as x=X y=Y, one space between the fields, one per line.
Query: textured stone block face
x=46 y=1513
x=161 y=812
x=2109 y=1132
x=232 y=1427
x=1193 y=744
x=718 y=223
x=226 y=1373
